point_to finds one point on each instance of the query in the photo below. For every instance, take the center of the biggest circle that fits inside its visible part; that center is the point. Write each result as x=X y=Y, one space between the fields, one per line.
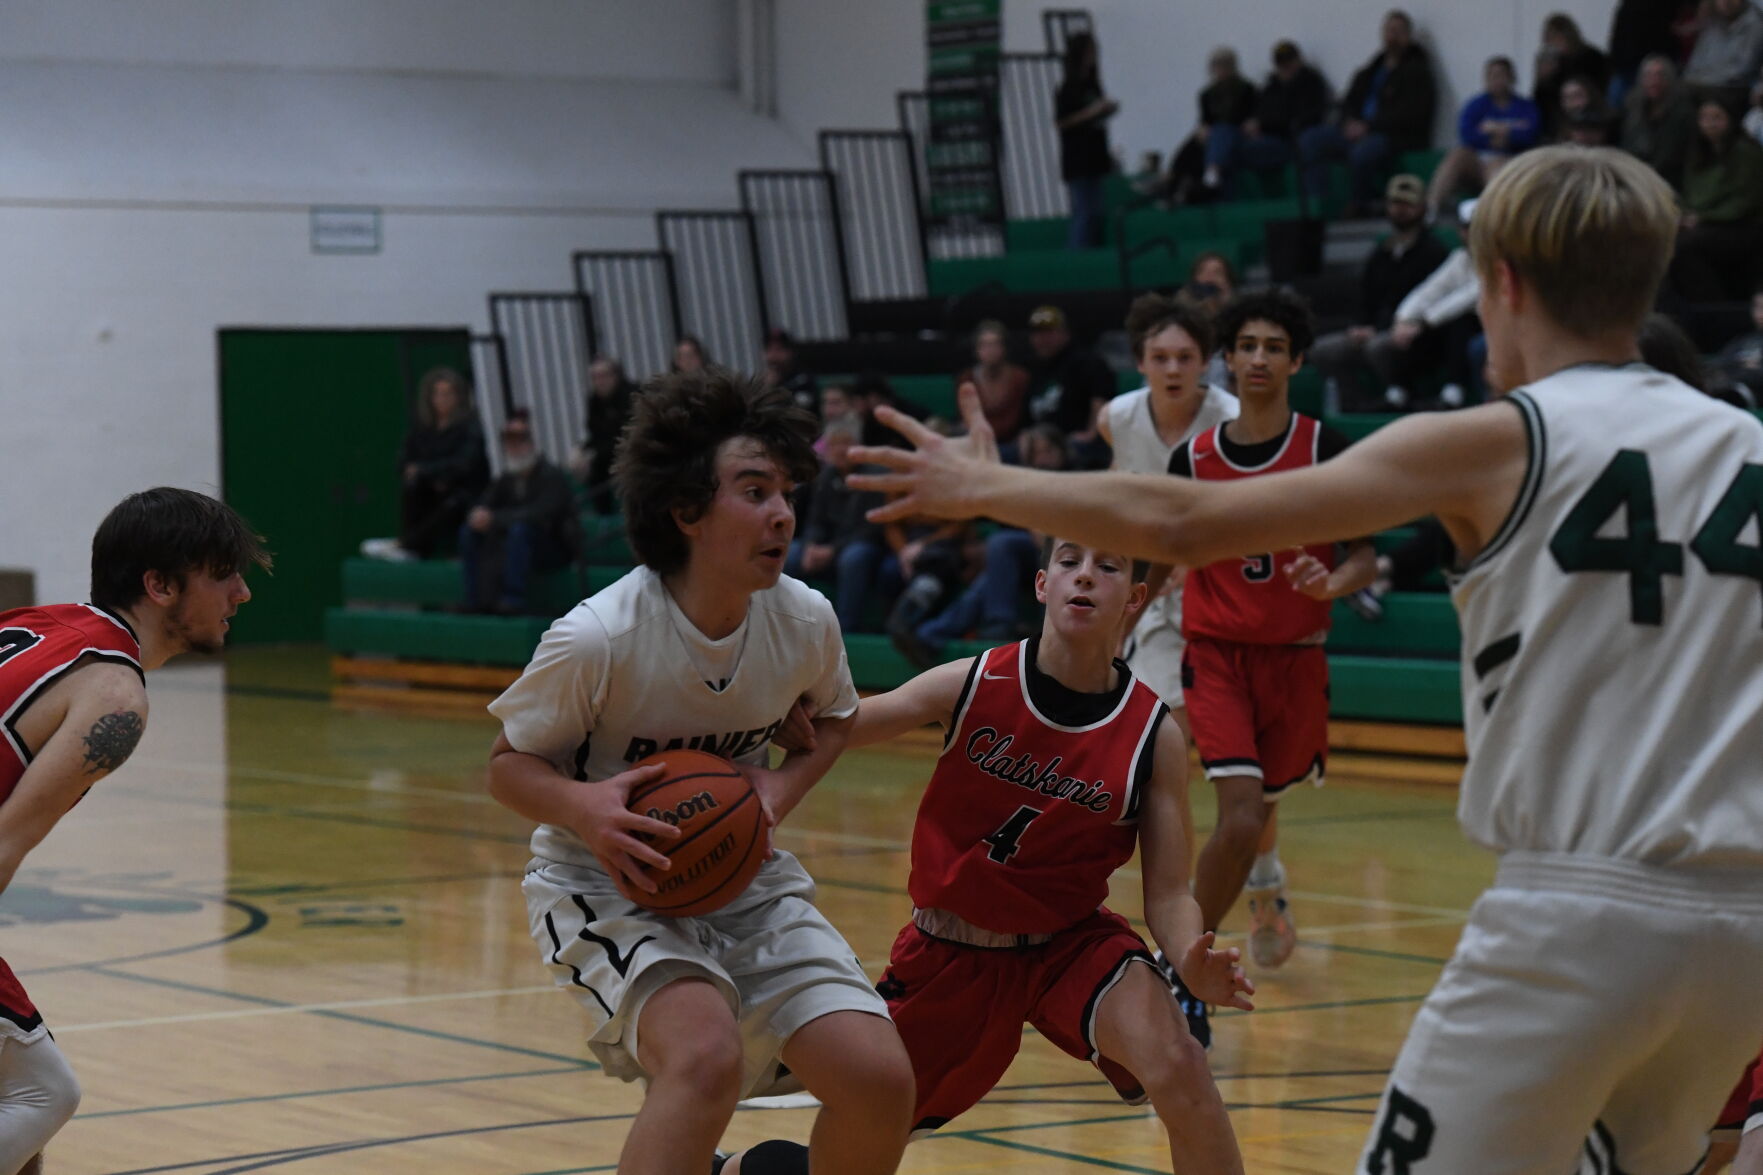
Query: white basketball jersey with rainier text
x=1139 y=448
x=624 y=674
x=1613 y=631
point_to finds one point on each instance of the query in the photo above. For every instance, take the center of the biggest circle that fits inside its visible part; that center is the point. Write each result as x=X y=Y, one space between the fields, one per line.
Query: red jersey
x=37 y=647
x=1024 y=819
x=1248 y=600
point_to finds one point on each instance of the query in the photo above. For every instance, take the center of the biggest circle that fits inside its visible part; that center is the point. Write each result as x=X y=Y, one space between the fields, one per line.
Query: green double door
x=311 y=422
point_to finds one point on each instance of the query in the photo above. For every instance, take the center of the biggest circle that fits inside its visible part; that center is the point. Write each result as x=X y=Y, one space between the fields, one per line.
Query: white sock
x=1266 y=871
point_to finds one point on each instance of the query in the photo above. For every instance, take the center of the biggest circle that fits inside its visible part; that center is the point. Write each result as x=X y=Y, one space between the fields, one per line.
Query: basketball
x=722 y=833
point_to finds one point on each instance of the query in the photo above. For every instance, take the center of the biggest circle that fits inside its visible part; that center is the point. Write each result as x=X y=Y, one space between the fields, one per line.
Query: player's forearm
x=885 y=717
x=531 y=787
x=1134 y=514
x=801 y=770
x=1175 y=922
x=1358 y=570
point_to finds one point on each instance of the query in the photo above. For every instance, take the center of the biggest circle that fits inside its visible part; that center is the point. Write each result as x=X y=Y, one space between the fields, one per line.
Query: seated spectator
x=1435 y=323
x=1003 y=385
x=1081 y=111
x=1565 y=55
x=1067 y=386
x=1722 y=233
x=831 y=516
x=1388 y=109
x=1294 y=99
x=688 y=355
x=1659 y=119
x=444 y=467
x=1728 y=52
x=934 y=563
x=1199 y=167
x=1492 y=127
x=1400 y=262
x=871 y=390
x=1212 y=281
x=1740 y=362
x=781 y=370
x=838 y=406
x=1640 y=29
x=523 y=525
x=610 y=393
x=990 y=607
x=1582 y=117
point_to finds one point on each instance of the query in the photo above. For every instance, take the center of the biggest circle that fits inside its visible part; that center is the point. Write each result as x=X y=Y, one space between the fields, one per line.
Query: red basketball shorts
x=960 y=1009
x=1258 y=710
x=1746 y=1101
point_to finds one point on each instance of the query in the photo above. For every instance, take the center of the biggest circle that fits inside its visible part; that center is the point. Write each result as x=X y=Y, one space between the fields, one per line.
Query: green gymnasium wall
x=311 y=421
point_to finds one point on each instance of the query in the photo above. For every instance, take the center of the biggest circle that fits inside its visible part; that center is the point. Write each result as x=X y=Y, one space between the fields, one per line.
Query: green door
x=311 y=421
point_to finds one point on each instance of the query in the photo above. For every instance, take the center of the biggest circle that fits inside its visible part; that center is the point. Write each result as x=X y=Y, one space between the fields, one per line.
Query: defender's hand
x=934 y=477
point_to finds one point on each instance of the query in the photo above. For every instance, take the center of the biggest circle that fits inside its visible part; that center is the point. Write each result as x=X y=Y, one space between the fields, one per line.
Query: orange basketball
x=722 y=833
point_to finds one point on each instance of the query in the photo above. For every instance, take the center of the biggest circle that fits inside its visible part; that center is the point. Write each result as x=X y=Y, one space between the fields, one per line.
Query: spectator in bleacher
x=523 y=525
x=1212 y=281
x=1492 y=127
x=1003 y=385
x=610 y=393
x=1722 y=229
x=1564 y=54
x=688 y=355
x=1753 y=123
x=990 y=606
x=1659 y=119
x=831 y=516
x=1728 y=52
x=1081 y=112
x=1294 y=99
x=1388 y=110
x=444 y=467
x=871 y=390
x=781 y=370
x=935 y=561
x=1435 y=324
x=1583 y=116
x=1067 y=386
x=1400 y=262
x=1640 y=29
x=838 y=406
x=1740 y=362
x=1202 y=164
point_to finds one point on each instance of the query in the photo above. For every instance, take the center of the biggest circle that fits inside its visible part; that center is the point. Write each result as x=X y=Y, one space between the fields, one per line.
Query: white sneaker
x=1451 y=395
x=1272 y=933
x=387 y=550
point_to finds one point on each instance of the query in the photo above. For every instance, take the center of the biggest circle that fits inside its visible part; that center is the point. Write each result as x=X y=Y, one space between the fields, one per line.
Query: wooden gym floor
x=290 y=937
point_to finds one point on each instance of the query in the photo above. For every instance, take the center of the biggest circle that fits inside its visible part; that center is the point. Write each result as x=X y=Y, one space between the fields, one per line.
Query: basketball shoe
x=1192 y=1007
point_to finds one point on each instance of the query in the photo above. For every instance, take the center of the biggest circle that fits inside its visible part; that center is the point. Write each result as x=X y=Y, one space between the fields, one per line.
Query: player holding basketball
x=1255 y=671
x=1604 y=991
x=1056 y=761
x=707 y=644
x=167 y=571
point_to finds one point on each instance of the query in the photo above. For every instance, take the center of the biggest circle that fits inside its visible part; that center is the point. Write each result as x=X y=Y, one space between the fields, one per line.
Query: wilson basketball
x=722 y=833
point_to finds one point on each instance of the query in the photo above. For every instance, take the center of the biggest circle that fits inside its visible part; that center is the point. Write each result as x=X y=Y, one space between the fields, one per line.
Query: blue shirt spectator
x=1492 y=127
x=1487 y=124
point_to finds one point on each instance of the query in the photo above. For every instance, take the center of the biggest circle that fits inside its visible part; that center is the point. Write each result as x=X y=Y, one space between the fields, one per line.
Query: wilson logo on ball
x=685 y=809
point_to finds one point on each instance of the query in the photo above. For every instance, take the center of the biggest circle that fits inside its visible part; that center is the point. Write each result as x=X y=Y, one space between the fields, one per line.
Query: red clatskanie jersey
x=38 y=646
x=1024 y=819
x=1249 y=600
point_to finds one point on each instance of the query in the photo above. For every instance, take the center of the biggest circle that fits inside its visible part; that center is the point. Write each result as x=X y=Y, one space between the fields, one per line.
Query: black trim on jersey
x=581 y=758
x=118 y=617
x=931 y=1123
x=1488 y=700
x=1536 y=457
x=1144 y=762
x=1497 y=654
x=574 y=971
x=964 y=697
x=1086 y=1023
x=1065 y=706
x=1604 y=1162
x=620 y=965
x=25 y=702
x=24 y=1023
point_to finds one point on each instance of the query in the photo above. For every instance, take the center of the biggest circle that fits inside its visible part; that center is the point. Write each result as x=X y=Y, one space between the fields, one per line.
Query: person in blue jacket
x=1492 y=127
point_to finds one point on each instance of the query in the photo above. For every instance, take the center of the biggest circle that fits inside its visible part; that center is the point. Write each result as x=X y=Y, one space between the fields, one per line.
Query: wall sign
x=345 y=229
x=961 y=158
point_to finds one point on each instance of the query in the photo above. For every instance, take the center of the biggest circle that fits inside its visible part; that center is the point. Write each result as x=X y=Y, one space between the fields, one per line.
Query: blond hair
x=1590 y=229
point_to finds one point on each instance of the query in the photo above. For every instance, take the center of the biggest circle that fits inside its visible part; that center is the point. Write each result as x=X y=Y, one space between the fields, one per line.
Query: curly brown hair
x=1151 y=313
x=666 y=459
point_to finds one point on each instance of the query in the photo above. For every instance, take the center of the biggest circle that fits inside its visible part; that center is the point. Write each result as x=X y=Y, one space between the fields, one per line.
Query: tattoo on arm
x=111 y=740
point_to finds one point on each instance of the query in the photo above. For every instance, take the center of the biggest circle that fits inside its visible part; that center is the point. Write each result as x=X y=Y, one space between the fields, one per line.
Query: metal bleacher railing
x=801 y=245
x=548 y=339
x=635 y=302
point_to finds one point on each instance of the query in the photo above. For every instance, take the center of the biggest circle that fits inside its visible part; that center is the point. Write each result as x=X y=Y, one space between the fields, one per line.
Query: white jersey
x=1613 y=631
x=625 y=674
x=1139 y=448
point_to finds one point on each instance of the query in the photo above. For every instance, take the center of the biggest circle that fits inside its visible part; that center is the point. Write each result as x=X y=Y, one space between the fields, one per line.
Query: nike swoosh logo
x=997 y=677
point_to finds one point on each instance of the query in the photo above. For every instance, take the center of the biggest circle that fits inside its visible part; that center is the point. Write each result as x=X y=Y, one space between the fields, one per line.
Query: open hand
x=1214 y=977
x=933 y=479
x=621 y=840
x=1309 y=576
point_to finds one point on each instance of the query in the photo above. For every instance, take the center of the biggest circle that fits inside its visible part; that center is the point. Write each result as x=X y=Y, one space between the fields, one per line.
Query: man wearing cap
x=1400 y=262
x=1067 y=386
x=781 y=372
x=523 y=525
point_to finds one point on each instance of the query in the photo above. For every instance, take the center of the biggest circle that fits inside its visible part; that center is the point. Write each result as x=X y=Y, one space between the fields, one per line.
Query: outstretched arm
x=929 y=697
x=104 y=721
x=1466 y=467
x=1170 y=909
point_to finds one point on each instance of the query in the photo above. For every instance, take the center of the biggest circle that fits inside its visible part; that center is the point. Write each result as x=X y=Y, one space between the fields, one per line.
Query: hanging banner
x=961 y=154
